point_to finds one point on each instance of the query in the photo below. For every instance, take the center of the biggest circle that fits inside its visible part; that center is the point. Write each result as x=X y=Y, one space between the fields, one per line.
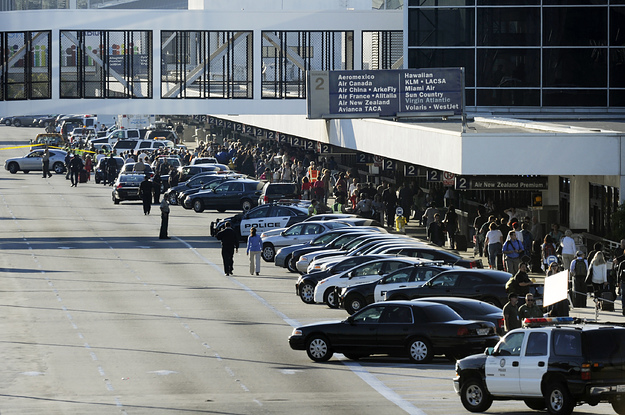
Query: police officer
x=229 y=244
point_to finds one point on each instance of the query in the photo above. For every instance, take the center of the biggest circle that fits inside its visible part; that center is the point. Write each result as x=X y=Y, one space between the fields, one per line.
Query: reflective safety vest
x=313 y=174
x=337 y=208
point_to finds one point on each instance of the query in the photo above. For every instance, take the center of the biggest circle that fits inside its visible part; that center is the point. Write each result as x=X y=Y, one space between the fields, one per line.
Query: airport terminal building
x=544 y=93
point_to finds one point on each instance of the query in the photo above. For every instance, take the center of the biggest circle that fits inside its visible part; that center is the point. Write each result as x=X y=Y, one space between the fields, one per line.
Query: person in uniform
x=511 y=318
x=145 y=191
x=229 y=244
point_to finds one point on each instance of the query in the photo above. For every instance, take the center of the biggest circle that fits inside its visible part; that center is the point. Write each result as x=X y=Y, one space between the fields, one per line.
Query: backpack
x=580 y=268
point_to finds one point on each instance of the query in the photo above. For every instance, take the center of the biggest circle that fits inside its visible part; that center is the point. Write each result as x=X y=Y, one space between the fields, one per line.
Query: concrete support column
x=551 y=196
x=579 y=209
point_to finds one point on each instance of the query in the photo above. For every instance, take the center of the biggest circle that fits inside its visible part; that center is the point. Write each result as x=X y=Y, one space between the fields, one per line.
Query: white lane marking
x=360 y=371
x=163 y=372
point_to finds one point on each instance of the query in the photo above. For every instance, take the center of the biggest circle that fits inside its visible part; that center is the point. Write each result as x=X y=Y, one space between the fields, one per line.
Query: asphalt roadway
x=99 y=316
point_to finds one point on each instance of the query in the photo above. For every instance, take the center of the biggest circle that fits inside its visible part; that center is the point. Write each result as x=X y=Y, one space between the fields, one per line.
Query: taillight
x=266 y=199
x=500 y=324
x=462 y=331
x=585 y=371
x=473 y=264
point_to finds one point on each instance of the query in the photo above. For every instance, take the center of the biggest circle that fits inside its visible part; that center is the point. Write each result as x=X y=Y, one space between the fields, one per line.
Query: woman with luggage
x=598 y=274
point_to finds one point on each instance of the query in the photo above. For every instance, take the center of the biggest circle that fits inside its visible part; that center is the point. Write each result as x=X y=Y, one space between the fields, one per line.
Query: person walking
x=229 y=245
x=493 y=243
x=75 y=166
x=513 y=250
x=45 y=162
x=145 y=191
x=567 y=244
x=164 y=219
x=254 y=247
x=598 y=274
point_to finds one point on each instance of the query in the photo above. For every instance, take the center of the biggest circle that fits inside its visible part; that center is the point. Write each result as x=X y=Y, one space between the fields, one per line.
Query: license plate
x=482 y=332
x=620 y=388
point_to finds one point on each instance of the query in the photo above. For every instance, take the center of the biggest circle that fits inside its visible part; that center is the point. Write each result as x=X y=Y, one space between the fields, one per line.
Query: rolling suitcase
x=606 y=301
x=83 y=176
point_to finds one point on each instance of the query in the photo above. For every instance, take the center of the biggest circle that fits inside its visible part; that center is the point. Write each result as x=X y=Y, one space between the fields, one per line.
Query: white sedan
x=299 y=233
x=325 y=290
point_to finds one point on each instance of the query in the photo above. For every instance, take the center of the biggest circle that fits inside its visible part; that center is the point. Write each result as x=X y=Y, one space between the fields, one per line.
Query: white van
x=143 y=145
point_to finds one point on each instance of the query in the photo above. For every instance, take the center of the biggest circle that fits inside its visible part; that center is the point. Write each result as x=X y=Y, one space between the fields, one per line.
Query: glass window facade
x=287 y=55
x=206 y=64
x=106 y=64
x=25 y=65
x=523 y=52
x=382 y=50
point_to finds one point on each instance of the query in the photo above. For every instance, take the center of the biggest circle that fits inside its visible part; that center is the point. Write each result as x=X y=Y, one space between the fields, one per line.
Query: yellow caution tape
x=35 y=145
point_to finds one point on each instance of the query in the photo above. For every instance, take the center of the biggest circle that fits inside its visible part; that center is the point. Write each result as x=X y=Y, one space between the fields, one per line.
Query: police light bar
x=545 y=321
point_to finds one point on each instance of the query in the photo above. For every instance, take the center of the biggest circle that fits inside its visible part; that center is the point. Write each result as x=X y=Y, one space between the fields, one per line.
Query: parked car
x=305 y=285
x=296 y=234
x=554 y=367
x=273 y=192
x=432 y=253
x=480 y=284
x=8 y=120
x=186 y=172
x=355 y=297
x=25 y=120
x=470 y=309
x=262 y=218
x=229 y=195
x=203 y=160
x=126 y=187
x=51 y=140
x=287 y=256
x=326 y=290
x=417 y=330
x=32 y=162
x=195 y=182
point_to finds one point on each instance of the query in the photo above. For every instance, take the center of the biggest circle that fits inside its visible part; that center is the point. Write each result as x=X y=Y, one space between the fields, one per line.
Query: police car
x=554 y=367
x=264 y=217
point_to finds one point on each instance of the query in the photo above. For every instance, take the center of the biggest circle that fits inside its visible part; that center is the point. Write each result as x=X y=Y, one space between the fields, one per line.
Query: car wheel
x=59 y=168
x=420 y=350
x=17 y=123
x=307 y=293
x=7 y=123
x=535 y=404
x=354 y=302
x=246 y=205
x=116 y=200
x=290 y=264
x=14 y=168
x=198 y=206
x=318 y=348
x=474 y=396
x=330 y=298
x=173 y=200
x=269 y=252
x=46 y=124
x=619 y=406
x=558 y=399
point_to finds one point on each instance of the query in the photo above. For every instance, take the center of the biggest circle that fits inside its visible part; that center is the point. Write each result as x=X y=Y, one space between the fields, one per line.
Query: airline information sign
x=385 y=93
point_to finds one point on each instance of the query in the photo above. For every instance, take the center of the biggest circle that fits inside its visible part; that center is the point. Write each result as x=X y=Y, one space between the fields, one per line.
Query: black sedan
x=238 y=194
x=480 y=284
x=126 y=187
x=194 y=184
x=418 y=330
x=357 y=296
x=470 y=309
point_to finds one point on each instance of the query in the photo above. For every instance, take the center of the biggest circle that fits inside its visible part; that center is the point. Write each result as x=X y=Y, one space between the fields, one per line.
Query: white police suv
x=553 y=367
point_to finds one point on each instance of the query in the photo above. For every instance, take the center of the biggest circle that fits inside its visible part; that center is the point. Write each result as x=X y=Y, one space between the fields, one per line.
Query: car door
x=234 y=195
x=32 y=161
x=309 y=231
x=441 y=285
x=469 y=286
x=359 y=332
x=285 y=216
x=258 y=218
x=502 y=368
x=368 y=272
x=534 y=362
x=395 y=325
x=392 y=281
